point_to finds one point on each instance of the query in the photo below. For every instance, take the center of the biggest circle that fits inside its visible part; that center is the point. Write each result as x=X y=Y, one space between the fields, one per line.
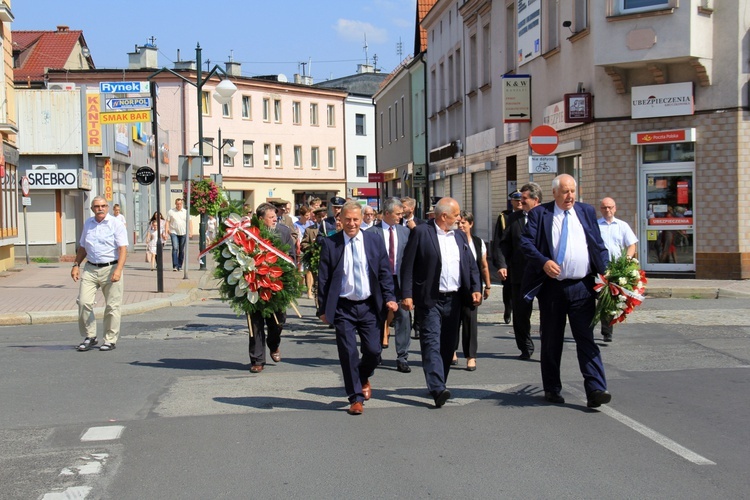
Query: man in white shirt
x=177 y=227
x=104 y=244
x=368 y=217
x=116 y=212
x=617 y=236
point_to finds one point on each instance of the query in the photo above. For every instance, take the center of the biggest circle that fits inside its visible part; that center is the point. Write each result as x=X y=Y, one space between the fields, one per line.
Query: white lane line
x=106 y=433
x=650 y=433
x=72 y=493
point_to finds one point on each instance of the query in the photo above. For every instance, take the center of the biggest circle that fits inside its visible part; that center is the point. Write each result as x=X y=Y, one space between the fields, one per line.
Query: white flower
x=622 y=281
x=621 y=305
x=634 y=273
x=634 y=260
x=639 y=284
x=252 y=297
x=236 y=276
x=230 y=264
x=622 y=298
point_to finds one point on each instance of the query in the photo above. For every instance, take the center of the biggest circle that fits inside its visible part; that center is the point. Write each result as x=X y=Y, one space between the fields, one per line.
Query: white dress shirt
x=616 y=235
x=102 y=240
x=575 y=265
x=347 y=280
x=450 y=273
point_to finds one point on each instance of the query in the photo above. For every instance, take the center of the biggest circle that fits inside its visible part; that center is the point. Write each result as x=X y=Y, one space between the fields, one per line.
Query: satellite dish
x=282 y=78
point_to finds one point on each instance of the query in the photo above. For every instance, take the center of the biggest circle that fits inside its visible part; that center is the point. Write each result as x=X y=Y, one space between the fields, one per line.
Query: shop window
x=669 y=153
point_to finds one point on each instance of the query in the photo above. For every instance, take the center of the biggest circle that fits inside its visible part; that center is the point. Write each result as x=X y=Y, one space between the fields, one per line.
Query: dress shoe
x=506 y=317
x=455 y=360
x=403 y=367
x=471 y=364
x=525 y=356
x=276 y=356
x=597 y=398
x=384 y=344
x=442 y=397
x=367 y=390
x=553 y=397
x=607 y=338
x=256 y=368
x=356 y=408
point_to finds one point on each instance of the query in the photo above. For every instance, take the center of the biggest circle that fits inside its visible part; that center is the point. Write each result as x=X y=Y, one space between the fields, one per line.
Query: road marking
x=648 y=432
x=72 y=493
x=105 y=433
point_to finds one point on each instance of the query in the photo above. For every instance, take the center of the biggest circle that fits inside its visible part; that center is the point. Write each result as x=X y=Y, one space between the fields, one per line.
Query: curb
x=182 y=298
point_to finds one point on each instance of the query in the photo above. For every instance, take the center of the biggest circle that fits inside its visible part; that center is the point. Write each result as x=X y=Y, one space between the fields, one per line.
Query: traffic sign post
x=543 y=140
x=25 y=188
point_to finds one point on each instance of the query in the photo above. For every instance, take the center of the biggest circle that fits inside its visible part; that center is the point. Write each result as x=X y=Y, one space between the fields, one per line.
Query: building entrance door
x=666 y=238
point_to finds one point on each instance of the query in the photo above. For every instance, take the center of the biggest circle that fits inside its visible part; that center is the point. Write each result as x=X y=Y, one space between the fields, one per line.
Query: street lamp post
x=224 y=92
x=231 y=152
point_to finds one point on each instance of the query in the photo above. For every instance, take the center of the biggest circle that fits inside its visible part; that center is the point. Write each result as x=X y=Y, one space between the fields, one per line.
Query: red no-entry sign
x=543 y=140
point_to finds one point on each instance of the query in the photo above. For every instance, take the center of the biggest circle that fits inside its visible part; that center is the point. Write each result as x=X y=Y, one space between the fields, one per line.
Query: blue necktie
x=356 y=263
x=563 y=240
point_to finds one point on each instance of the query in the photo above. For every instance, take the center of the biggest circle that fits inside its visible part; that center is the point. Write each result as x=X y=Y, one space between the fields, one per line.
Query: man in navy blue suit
x=355 y=289
x=564 y=251
x=439 y=275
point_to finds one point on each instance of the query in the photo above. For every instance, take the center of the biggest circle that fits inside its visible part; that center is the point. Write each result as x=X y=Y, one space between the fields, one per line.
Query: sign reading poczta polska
x=125 y=87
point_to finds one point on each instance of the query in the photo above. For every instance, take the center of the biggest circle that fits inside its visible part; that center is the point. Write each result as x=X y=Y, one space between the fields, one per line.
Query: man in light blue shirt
x=617 y=235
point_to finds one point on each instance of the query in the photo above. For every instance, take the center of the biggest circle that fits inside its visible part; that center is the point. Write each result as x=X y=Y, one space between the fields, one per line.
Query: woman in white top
x=469 y=313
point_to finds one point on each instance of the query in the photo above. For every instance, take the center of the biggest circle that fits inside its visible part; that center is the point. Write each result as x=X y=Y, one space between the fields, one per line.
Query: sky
x=266 y=37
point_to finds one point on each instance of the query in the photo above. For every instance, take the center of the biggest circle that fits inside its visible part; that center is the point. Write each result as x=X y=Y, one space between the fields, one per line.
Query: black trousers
x=468 y=332
x=259 y=339
x=522 y=321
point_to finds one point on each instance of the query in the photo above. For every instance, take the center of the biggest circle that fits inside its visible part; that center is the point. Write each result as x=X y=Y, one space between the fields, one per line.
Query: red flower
x=265 y=294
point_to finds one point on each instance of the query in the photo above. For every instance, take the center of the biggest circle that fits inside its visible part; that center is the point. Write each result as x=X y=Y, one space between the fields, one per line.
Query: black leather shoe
x=607 y=338
x=525 y=356
x=553 y=397
x=403 y=367
x=597 y=398
x=442 y=397
x=506 y=317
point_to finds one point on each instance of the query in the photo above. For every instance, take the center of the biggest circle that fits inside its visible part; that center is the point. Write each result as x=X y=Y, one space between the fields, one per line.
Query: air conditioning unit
x=61 y=86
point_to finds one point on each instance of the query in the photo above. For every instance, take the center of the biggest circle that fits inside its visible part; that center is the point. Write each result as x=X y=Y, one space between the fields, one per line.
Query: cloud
x=356 y=30
x=403 y=23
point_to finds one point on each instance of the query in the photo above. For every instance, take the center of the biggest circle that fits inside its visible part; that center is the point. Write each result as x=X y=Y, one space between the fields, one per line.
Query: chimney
x=144 y=57
x=233 y=68
x=180 y=64
x=365 y=68
x=63 y=29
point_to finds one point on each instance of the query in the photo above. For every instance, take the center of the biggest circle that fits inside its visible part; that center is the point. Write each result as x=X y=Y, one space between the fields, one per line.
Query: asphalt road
x=183 y=418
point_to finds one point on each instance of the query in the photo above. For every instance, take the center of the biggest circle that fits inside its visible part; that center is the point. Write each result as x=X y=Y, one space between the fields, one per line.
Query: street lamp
x=223 y=94
x=231 y=152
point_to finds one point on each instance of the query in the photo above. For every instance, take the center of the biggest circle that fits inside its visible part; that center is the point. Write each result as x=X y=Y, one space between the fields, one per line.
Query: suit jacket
x=285 y=234
x=287 y=221
x=537 y=244
x=402 y=236
x=501 y=226
x=331 y=273
x=510 y=247
x=311 y=234
x=422 y=265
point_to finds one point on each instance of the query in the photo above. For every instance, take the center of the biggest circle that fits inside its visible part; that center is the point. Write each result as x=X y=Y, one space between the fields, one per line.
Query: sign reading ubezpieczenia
x=671 y=99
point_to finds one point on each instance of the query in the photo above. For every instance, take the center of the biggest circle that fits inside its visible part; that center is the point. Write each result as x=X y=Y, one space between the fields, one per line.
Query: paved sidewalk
x=45 y=293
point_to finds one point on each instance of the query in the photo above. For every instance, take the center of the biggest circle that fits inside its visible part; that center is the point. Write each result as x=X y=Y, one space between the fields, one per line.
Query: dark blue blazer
x=422 y=264
x=537 y=245
x=331 y=273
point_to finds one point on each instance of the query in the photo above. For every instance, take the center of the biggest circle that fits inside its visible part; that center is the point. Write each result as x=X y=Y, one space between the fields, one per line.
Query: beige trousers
x=92 y=279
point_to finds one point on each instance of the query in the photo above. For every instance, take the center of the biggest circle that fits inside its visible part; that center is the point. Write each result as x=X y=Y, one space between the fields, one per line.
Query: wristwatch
x=76 y=264
x=487 y=287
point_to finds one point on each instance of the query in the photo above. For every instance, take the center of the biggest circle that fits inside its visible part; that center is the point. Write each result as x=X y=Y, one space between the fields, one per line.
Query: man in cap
x=282 y=217
x=498 y=260
x=336 y=202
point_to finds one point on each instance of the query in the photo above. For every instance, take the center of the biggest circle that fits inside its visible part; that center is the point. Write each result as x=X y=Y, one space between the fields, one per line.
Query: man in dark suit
x=355 y=288
x=394 y=237
x=498 y=260
x=408 y=218
x=439 y=275
x=514 y=263
x=565 y=251
x=267 y=214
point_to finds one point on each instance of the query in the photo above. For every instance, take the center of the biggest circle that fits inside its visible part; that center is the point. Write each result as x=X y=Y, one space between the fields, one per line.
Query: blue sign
x=128 y=103
x=125 y=87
